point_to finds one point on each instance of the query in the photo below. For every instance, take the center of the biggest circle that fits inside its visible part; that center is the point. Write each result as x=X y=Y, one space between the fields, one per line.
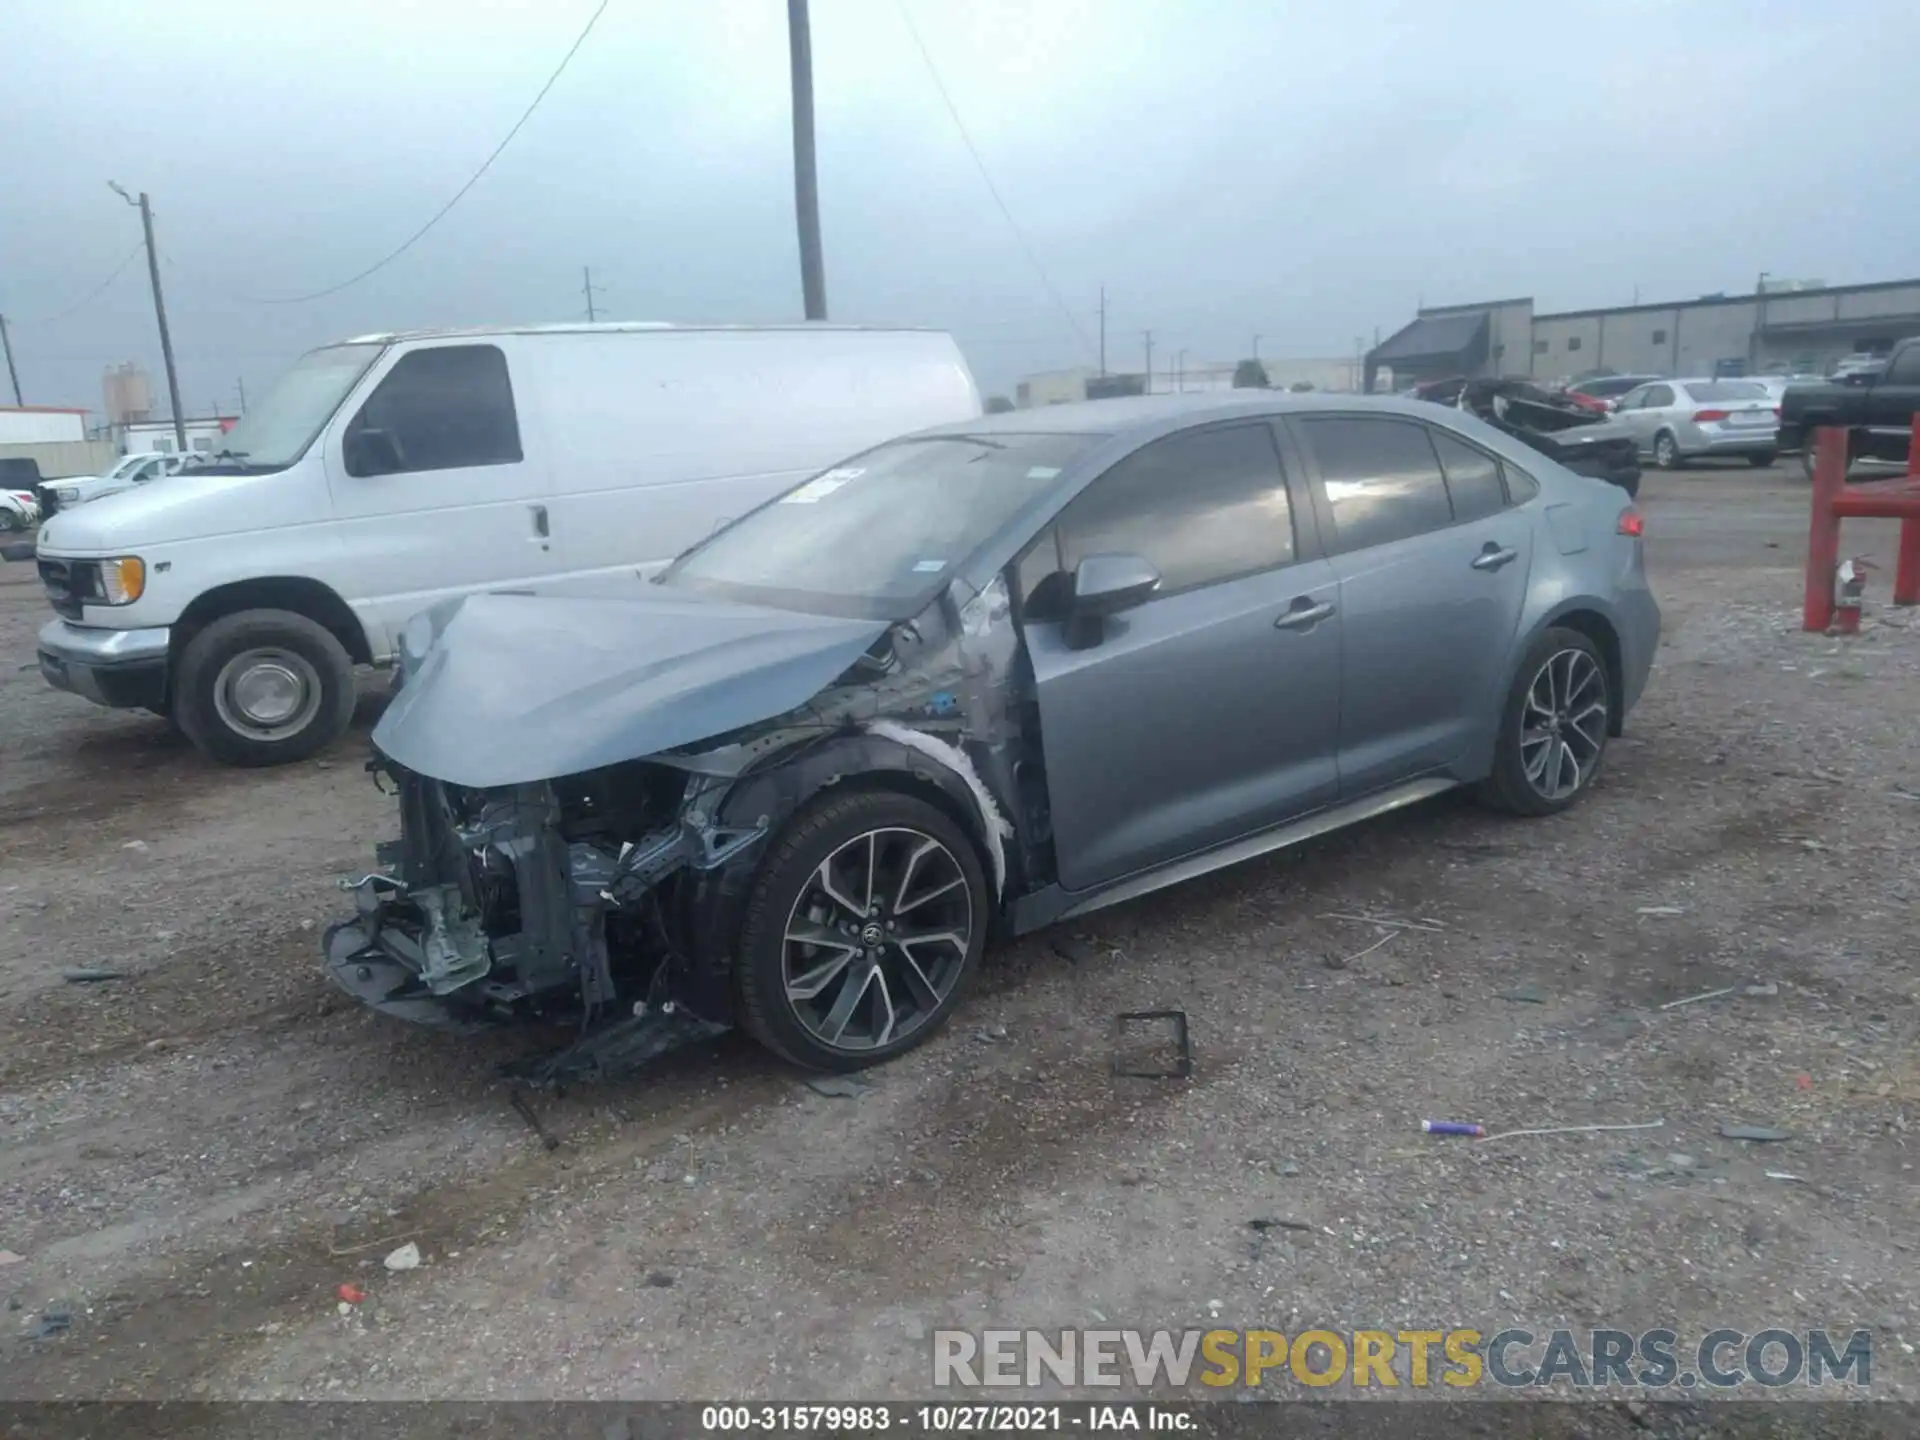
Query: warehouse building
x=1789 y=329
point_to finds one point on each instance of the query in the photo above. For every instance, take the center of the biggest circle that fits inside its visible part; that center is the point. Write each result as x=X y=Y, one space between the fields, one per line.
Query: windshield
x=277 y=430
x=1728 y=390
x=877 y=536
x=127 y=466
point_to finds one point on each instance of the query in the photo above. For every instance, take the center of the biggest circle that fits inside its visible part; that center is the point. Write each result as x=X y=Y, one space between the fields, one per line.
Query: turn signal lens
x=123 y=581
x=1632 y=523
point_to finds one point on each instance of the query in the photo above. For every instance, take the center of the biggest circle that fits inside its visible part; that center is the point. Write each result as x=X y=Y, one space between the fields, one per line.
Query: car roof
x=1141 y=414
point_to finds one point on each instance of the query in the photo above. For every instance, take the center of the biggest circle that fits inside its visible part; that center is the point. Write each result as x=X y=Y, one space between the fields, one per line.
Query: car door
x=1432 y=563
x=432 y=491
x=1210 y=711
x=1656 y=409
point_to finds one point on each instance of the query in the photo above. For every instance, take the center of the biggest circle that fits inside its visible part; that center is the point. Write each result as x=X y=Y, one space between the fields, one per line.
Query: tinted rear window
x=1727 y=390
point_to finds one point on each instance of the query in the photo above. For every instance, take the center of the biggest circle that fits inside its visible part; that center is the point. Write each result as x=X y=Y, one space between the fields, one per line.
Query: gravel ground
x=193 y=1157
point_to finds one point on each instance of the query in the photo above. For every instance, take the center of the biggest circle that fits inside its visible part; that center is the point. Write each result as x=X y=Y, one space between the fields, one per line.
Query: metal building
x=1785 y=331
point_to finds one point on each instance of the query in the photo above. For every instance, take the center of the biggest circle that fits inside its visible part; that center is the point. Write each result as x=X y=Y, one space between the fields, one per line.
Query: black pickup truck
x=1876 y=406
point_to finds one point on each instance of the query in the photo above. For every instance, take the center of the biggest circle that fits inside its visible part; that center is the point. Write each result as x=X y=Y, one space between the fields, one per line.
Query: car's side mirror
x=372 y=452
x=1105 y=585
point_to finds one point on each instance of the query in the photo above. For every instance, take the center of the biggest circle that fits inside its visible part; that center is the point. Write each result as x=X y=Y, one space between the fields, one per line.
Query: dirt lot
x=193 y=1157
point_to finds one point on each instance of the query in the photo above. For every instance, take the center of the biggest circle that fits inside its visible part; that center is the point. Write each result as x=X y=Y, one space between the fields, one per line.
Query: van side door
x=434 y=493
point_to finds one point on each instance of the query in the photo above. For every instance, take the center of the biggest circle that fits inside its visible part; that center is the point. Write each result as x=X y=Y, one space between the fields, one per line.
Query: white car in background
x=131 y=471
x=18 y=511
x=1675 y=421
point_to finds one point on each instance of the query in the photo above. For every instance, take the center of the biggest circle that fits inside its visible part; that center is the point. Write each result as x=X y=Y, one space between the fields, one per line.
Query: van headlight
x=123 y=580
x=67 y=494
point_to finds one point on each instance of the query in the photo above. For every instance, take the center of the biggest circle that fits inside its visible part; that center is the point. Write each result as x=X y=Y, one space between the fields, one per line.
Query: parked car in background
x=389 y=472
x=1875 y=406
x=132 y=470
x=1577 y=436
x=1602 y=392
x=1858 y=363
x=797 y=781
x=1677 y=421
x=19 y=510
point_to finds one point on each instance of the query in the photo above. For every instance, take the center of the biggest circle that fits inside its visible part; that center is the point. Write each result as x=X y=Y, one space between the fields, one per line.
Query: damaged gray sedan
x=979 y=680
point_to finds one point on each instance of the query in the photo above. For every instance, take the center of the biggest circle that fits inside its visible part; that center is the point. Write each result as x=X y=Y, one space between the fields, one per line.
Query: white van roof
x=625 y=326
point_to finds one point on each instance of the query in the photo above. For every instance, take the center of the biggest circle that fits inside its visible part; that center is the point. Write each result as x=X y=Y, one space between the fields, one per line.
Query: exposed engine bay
x=607 y=899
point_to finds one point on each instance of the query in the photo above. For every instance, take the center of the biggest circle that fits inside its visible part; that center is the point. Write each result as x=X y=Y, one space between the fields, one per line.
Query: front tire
x=1553 y=731
x=866 y=919
x=1761 y=462
x=1666 y=451
x=263 y=687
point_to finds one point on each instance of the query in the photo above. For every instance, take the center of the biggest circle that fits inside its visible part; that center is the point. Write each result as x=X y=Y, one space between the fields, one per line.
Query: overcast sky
x=1308 y=171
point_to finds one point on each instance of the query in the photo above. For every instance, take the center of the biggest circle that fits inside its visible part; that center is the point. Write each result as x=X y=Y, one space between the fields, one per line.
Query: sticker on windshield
x=817 y=488
x=929 y=567
x=1043 y=472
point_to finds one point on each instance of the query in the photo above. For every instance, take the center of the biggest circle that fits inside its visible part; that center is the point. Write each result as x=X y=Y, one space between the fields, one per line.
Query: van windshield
x=878 y=535
x=277 y=430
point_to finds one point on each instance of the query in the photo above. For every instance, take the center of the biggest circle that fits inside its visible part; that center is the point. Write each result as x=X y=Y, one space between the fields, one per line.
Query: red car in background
x=1599 y=393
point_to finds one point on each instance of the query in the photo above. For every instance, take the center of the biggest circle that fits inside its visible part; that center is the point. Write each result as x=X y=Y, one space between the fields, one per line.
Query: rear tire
x=863 y=972
x=263 y=687
x=1556 y=715
x=1761 y=462
x=1806 y=456
x=1666 y=452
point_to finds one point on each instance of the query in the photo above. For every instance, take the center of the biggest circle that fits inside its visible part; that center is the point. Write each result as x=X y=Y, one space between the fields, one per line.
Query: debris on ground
x=1524 y=995
x=11 y=1257
x=659 y=1280
x=53 y=1322
x=407 y=1257
x=134 y=845
x=91 y=977
x=1453 y=1127
x=1781 y=1175
x=1661 y=910
x=1264 y=1225
x=1764 y=1133
x=994 y=1035
x=1703 y=995
x=838 y=1087
x=1576 y=1129
x=1761 y=989
x=1391 y=922
x=349 y=1293
x=1340 y=962
x=1172 y=1021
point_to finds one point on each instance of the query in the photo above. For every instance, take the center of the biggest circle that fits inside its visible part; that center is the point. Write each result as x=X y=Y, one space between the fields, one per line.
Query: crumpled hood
x=509 y=689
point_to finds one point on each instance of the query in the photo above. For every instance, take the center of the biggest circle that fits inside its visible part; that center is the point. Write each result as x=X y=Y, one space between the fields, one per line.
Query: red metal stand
x=1834 y=500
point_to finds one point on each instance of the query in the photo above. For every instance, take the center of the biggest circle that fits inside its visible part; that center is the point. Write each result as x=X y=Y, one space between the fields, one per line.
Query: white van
x=389 y=472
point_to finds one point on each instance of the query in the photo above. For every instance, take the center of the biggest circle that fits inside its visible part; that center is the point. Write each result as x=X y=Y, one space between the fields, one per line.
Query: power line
x=992 y=189
x=87 y=299
x=458 y=195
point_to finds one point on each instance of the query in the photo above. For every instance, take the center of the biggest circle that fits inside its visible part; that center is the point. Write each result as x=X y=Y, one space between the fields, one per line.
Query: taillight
x=1702 y=416
x=1632 y=523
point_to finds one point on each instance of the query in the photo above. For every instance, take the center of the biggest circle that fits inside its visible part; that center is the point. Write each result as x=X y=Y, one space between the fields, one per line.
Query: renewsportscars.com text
x=1458 y=1358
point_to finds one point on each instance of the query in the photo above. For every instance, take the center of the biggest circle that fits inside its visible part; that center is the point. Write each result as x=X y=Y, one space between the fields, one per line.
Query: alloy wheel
x=1665 y=452
x=876 y=939
x=267 y=694
x=1563 y=724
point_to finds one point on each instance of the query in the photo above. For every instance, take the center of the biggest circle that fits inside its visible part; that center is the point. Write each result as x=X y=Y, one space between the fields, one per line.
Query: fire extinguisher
x=1849 y=589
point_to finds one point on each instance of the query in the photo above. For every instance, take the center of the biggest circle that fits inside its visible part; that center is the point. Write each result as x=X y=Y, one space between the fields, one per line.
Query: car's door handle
x=1494 y=556
x=1304 y=614
x=539 y=521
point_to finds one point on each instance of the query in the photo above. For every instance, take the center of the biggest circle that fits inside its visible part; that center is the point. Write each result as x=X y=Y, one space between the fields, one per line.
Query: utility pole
x=159 y=311
x=240 y=384
x=1180 y=370
x=1256 y=347
x=806 y=185
x=589 y=289
x=1103 y=330
x=1148 y=336
x=6 y=343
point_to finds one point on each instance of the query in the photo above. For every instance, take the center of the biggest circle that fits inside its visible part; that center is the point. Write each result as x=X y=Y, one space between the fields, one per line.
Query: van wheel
x=865 y=920
x=263 y=687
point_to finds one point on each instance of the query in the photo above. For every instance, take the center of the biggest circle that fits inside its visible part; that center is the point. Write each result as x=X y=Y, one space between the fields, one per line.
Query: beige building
x=1797 y=330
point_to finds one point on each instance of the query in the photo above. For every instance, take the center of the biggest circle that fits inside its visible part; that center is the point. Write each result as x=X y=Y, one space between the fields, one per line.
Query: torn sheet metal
x=993 y=825
x=506 y=689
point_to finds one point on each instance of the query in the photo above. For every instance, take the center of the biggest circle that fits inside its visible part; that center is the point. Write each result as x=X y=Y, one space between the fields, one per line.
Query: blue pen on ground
x=1453 y=1127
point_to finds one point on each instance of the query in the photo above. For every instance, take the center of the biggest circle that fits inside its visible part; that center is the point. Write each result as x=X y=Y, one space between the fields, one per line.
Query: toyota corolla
x=974 y=681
